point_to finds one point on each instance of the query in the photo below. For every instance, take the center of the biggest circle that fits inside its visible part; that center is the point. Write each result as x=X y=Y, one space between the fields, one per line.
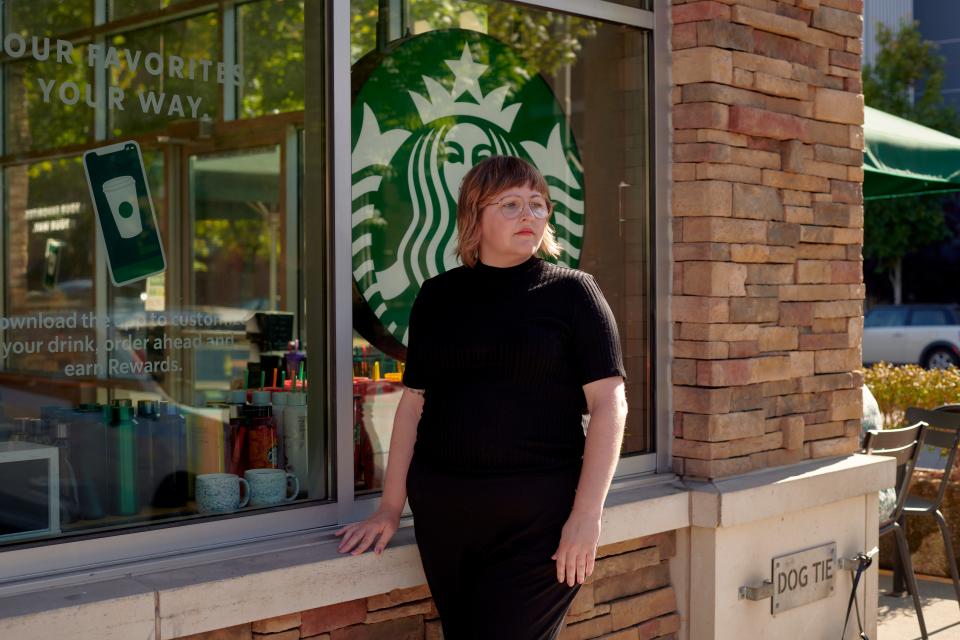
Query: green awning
x=903 y=158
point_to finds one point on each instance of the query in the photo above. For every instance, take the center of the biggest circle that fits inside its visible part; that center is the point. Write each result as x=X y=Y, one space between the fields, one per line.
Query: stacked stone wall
x=767 y=218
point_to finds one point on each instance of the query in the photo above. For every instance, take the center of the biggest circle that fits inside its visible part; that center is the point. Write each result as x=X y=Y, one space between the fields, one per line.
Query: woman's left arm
x=607 y=404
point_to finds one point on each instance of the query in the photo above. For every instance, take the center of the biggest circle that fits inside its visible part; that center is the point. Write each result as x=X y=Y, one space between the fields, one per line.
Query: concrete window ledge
x=264 y=580
x=772 y=492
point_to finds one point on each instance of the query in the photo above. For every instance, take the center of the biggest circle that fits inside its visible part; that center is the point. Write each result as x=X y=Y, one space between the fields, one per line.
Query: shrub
x=898 y=387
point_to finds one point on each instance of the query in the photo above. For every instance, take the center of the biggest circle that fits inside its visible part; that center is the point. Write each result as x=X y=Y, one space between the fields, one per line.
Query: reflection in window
x=47 y=17
x=237 y=228
x=126 y=8
x=49 y=247
x=603 y=210
x=168 y=73
x=270 y=48
x=190 y=374
x=47 y=103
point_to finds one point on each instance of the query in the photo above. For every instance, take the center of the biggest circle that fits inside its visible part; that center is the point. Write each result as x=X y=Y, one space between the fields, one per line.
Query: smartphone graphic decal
x=124 y=210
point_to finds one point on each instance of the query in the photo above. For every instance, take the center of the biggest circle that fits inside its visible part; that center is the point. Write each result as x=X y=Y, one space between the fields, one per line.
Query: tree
x=906 y=81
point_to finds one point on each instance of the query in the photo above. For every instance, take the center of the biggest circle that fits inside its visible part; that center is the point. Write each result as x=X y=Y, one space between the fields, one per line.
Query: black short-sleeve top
x=502 y=354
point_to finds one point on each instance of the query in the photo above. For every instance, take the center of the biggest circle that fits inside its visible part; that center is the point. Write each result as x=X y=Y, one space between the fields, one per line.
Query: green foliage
x=907 y=79
x=898 y=387
x=898 y=226
x=546 y=40
x=272 y=54
x=32 y=123
x=47 y=17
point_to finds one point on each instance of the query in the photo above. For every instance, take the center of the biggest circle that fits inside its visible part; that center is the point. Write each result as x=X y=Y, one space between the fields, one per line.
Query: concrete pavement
x=897 y=619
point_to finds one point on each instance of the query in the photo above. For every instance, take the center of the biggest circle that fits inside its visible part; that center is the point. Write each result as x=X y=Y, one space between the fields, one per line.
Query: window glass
x=491 y=77
x=49 y=262
x=237 y=228
x=886 y=317
x=48 y=17
x=270 y=48
x=48 y=103
x=929 y=317
x=153 y=341
x=126 y=8
x=176 y=76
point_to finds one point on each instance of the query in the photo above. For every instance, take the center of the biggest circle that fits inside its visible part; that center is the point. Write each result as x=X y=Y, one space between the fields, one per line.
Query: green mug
x=271 y=486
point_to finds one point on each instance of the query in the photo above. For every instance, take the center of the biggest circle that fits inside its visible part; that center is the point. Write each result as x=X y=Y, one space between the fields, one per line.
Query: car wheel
x=941 y=358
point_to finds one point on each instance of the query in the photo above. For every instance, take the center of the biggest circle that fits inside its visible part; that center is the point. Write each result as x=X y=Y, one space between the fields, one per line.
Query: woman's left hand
x=578 y=548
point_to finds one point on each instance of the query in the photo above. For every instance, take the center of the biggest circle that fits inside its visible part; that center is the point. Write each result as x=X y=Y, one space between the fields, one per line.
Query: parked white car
x=924 y=334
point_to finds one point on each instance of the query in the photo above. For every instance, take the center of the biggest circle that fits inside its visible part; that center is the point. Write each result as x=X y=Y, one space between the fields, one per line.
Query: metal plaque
x=803 y=577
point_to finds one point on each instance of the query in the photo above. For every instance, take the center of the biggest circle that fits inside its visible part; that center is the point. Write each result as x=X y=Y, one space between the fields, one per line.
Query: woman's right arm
x=386 y=520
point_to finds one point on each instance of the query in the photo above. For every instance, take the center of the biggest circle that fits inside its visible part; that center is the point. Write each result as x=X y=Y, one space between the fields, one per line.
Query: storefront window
x=49 y=235
x=126 y=8
x=473 y=79
x=153 y=345
x=270 y=48
x=180 y=81
x=47 y=103
x=47 y=17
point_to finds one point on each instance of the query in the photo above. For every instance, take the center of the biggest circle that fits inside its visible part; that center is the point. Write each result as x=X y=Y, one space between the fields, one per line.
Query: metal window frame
x=56 y=560
x=645 y=463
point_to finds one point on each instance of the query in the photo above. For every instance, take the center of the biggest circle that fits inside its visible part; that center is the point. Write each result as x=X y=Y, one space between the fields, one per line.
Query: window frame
x=55 y=560
x=656 y=24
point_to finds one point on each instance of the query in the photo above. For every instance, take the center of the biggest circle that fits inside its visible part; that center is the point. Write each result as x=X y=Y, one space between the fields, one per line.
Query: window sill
x=212 y=590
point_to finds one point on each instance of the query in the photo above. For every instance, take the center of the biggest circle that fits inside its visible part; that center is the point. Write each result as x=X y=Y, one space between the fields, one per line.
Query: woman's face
x=506 y=242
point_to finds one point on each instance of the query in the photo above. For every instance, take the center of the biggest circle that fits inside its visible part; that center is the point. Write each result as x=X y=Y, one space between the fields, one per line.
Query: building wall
x=767 y=233
x=628 y=594
x=891 y=13
x=938 y=23
x=767 y=224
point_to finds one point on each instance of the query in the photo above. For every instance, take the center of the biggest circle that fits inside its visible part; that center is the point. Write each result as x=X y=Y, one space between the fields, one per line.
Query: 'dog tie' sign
x=803 y=577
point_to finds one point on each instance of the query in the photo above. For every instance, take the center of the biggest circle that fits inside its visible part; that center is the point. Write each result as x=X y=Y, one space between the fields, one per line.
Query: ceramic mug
x=220 y=492
x=271 y=486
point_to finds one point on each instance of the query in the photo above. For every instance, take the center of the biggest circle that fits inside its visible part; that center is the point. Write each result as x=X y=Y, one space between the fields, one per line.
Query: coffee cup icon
x=121 y=195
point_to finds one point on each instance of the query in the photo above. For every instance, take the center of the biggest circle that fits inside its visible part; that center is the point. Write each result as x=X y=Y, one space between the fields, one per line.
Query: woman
x=505 y=354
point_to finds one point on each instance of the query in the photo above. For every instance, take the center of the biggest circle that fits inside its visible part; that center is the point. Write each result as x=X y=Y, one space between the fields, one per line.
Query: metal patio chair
x=904 y=445
x=944 y=434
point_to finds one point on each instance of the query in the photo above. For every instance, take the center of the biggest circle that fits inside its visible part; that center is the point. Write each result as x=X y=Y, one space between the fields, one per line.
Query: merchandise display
x=133 y=461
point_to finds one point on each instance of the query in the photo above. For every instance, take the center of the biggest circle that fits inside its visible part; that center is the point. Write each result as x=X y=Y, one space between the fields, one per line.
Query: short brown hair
x=485 y=180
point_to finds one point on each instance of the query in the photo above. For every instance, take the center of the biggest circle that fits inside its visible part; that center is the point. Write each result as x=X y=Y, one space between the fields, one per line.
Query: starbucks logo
x=423 y=114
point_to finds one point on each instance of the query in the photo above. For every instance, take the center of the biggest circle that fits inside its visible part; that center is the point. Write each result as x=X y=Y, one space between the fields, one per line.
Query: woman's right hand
x=361 y=535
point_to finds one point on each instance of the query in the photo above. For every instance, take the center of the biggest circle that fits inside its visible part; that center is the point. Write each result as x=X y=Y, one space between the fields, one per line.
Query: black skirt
x=485 y=542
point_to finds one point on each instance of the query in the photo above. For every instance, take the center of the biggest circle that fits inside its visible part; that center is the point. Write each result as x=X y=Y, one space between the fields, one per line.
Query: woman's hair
x=485 y=180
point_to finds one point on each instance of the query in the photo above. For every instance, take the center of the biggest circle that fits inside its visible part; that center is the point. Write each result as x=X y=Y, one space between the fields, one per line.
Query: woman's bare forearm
x=601 y=451
x=402 y=439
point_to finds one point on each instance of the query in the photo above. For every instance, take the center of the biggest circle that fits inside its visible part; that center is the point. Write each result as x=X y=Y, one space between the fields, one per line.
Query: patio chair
x=944 y=434
x=904 y=445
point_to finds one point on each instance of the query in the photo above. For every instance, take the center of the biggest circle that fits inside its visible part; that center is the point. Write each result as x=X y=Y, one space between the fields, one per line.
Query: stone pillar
x=767 y=232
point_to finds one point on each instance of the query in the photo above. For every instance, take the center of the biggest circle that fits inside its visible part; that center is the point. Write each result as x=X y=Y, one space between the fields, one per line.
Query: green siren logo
x=423 y=115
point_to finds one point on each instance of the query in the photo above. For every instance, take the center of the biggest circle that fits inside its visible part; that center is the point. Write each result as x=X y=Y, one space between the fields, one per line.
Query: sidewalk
x=897 y=619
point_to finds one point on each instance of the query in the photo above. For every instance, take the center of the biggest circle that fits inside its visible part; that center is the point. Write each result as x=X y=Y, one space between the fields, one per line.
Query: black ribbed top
x=503 y=354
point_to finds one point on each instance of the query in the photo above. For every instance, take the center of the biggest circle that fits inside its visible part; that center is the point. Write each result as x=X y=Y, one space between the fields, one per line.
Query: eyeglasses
x=512 y=206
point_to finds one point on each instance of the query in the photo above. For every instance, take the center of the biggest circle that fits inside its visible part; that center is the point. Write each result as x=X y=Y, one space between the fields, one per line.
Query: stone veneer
x=767 y=223
x=628 y=597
